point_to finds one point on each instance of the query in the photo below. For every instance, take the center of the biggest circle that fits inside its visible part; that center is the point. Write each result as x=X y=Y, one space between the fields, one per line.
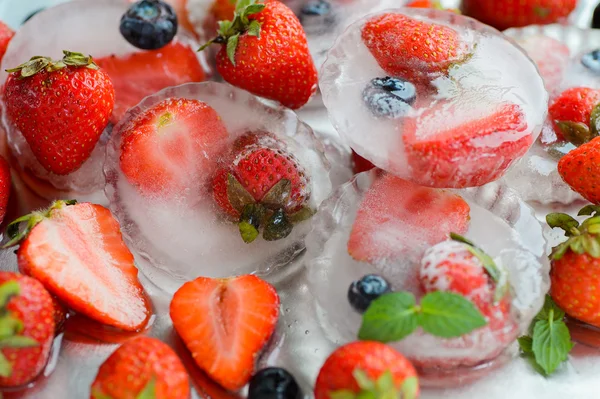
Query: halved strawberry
x=143 y=73
x=78 y=254
x=396 y=215
x=172 y=147
x=225 y=323
x=457 y=145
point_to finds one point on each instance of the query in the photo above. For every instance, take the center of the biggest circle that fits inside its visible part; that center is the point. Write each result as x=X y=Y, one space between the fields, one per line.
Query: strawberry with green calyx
x=366 y=369
x=61 y=108
x=257 y=31
x=573 y=276
x=394 y=316
x=580 y=169
x=549 y=341
x=575 y=114
x=263 y=186
x=26 y=328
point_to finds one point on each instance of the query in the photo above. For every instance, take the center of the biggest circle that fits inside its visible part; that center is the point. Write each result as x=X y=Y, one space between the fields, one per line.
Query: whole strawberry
x=411 y=49
x=6 y=35
x=504 y=14
x=60 y=107
x=573 y=276
x=580 y=169
x=576 y=115
x=367 y=369
x=26 y=328
x=264 y=51
x=263 y=186
x=142 y=365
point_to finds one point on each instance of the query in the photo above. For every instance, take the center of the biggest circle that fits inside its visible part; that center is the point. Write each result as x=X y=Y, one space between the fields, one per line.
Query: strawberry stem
x=38 y=63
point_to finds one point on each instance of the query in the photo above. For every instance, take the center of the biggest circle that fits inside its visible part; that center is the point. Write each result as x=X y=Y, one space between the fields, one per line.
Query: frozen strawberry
x=5 y=184
x=348 y=369
x=459 y=146
x=580 y=169
x=262 y=185
x=77 y=91
x=458 y=266
x=411 y=49
x=396 y=216
x=575 y=115
x=143 y=73
x=504 y=14
x=142 y=365
x=225 y=323
x=172 y=147
x=27 y=328
x=77 y=252
x=6 y=35
x=551 y=57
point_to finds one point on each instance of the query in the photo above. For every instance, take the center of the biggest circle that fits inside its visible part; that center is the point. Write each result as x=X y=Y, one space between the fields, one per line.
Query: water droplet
x=306 y=332
x=287 y=310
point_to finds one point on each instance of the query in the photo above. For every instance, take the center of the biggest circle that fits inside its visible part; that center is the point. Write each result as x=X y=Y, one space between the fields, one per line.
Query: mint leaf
x=448 y=315
x=549 y=305
x=525 y=343
x=391 y=317
x=551 y=344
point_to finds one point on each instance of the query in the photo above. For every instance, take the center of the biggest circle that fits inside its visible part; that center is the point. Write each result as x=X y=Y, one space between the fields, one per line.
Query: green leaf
x=551 y=344
x=278 y=196
x=342 y=394
x=224 y=27
x=303 y=214
x=248 y=232
x=18 y=341
x=254 y=28
x=10 y=326
x=391 y=317
x=250 y=221
x=459 y=238
x=385 y=382
x=277 y=226
x=575 y=132
x=409 y=388
x=149 y=391
x=525 y=343
x=589 y=210
x=97 y=394
x=591 y=246
x=232 y=43
x=363 y=380
x=254 y=8
x=237 y=195
x=448 y=315
x=595 y=121
x=243 y=4
x=8 y=290
x=563 y=221
x=5 y=366
x=550 y=311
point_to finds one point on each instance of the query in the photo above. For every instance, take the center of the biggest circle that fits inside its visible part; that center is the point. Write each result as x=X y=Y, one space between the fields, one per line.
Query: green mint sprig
x=394 y=316
x=549 y=342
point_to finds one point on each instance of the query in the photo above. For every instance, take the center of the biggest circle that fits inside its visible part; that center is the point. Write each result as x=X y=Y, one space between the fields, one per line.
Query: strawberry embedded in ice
x=463 y=144
x=398 y=217
x=140 y=74
x=551 y=57
x=172 y=147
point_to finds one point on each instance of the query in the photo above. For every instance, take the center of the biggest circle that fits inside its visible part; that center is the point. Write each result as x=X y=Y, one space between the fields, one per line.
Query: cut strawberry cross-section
x=77 y=252
x=225 y=323
x=397 y=216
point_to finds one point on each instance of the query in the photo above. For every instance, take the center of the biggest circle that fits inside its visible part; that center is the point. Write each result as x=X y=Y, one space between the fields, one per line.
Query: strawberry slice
x=459 y=146
x=78 y=254
x=225 y=323
x=396 y=216
x=172 y=146
x=141 y=74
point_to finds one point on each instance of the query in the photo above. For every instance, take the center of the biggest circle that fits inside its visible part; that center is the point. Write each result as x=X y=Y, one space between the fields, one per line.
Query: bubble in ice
x=480 y=101
x=179 y=196
x=85 y=26
x=381 y=224
x=565 y=58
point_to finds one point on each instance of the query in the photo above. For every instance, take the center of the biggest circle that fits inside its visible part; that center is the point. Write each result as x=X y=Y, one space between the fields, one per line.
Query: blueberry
x=596 y=18
x=389 y=97
x=149 y=24
x=317 y=17
x=364 y=291
x=32 y=14
x=591 y=61
x=273 y=383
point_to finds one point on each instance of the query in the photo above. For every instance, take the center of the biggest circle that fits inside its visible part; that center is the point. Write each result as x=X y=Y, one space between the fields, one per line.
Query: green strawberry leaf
x=5 y=366
x=589 y=210
x=277 y=226
x=250 y=221
x=253 y=9
x=342 y=394
x=232 y=43
x=591 y=246
x=97 y=394
x=363 y=380
x=448 y=315
x=409 y=388
x=237 y=195
x=551 y=344
x=595 y=120
x=8 y=290
x=254 y=28
x=391 y=317
x=18 y=341
x=525 y=343
x=563 y=221
x=149 y=391
x=278 y=196
x=303 y=214
x=576 y=133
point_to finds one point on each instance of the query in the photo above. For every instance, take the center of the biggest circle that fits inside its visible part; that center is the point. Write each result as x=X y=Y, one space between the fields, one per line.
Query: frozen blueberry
x=32 y=14
x=364 y=291
x=317 y=17
x=273 y=383
x=591 y=61
x=389 y=97
x=149 y=24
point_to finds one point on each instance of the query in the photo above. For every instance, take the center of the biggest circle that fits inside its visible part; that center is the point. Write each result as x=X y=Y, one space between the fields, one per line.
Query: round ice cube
x=91 y=27
x=185 y=234
x=560 y=53
x=480 y=101
x=381 y=224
